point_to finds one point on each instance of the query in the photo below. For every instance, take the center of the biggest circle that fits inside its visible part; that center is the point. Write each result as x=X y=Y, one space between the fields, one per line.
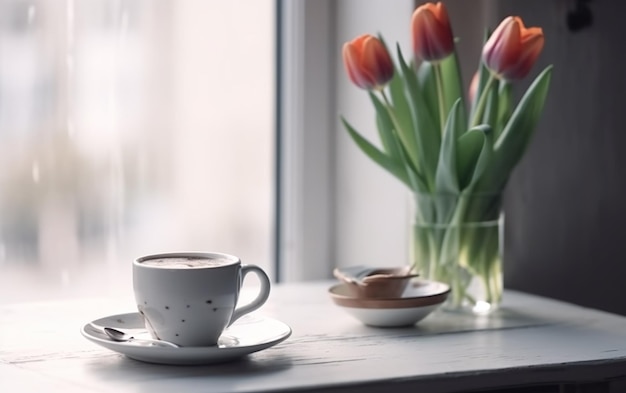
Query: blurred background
x=130 y=127
x=135 y=126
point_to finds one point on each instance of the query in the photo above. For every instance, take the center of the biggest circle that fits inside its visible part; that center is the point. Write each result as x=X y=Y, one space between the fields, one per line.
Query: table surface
x=531 y=340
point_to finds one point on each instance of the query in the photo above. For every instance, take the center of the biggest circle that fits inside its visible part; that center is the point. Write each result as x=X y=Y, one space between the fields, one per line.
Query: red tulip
x=512 y=49
x=367 y=62
x=431 y=32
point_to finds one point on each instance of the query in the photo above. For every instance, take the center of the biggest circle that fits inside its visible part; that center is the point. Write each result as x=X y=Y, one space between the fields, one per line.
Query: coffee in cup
x=190 y=298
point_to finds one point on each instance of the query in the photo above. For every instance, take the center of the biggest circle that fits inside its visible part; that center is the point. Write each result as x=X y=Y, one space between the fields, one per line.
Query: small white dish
x=419 y=299
x=247 y=335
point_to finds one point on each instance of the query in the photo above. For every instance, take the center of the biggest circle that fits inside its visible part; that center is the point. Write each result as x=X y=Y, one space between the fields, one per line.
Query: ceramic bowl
x=419 y=299
x=375 y=282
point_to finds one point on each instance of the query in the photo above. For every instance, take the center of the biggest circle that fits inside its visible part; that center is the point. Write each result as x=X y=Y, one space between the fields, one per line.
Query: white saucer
x=419 y=299
x=249 y=334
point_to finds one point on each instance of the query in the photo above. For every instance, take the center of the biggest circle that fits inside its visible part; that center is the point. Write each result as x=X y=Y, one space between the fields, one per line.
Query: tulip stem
x=392 y=114
x=440 y=97
x=396 y=125
x=482 y=101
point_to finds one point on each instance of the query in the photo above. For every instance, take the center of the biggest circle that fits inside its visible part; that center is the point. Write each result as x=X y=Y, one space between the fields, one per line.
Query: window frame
x=334 y=206
x=305 y=154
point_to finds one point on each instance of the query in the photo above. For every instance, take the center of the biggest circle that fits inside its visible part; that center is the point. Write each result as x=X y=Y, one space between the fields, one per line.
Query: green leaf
x=511 y=144
x=385 y=127
x=483 y=76
x=392 y=166
x=428 y=85
x=416 y=180
x=490 y=116
x=505 y=107
x=516 y=135
x=473 y=154
x=446 y=179
x=426 y=133
x=453 y=87
x=400 y=103
x=484 y=158
x=400 y=116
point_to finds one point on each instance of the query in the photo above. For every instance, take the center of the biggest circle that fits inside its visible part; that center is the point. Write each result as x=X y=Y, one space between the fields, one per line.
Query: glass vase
x=457 y=239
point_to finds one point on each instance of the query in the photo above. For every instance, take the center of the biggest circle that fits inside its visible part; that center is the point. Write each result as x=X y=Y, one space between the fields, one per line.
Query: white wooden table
x=534 y=342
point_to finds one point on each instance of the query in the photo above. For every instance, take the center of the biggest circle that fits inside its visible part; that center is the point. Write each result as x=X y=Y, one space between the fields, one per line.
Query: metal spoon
x=118 y=335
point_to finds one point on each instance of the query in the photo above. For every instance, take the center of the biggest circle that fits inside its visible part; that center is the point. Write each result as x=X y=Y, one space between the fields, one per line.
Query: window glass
x=130 y=127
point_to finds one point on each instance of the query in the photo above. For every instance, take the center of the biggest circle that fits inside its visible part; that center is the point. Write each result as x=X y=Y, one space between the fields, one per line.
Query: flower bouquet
x=454 y=153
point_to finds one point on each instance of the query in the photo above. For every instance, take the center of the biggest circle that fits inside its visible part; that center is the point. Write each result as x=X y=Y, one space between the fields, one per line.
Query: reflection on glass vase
x=457 y=239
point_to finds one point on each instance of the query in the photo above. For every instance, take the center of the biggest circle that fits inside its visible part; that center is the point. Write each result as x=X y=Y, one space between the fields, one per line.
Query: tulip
x=367 y=62
x=431 y=32
x=473 y=87
x=512 y=49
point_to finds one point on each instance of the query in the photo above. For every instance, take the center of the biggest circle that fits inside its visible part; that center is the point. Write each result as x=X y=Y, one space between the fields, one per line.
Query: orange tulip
x=367 y=62
x=431 y=32
x=512 y=49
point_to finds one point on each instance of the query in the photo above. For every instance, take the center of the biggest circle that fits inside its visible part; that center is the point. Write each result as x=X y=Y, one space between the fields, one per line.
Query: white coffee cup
x=190 y=298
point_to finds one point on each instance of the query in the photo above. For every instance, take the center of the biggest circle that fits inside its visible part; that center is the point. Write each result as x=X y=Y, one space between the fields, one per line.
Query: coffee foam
x=187 y=263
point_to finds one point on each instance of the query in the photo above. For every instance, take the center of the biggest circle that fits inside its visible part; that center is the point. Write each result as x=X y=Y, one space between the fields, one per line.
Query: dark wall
x=566 y=202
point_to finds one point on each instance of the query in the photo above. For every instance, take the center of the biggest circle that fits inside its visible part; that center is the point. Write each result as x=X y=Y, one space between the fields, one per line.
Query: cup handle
x=261 y=298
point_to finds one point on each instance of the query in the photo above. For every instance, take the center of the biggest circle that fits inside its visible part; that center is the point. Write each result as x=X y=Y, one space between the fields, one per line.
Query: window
x=135 y=126
x=129 y=127
x=337 y=207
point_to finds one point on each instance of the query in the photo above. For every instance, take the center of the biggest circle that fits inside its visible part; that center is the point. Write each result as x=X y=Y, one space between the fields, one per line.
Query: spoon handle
x=158 y=343
x=120 y=336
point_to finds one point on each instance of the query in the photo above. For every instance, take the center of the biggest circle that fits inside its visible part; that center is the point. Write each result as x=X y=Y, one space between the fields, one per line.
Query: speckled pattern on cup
x=192 y=306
